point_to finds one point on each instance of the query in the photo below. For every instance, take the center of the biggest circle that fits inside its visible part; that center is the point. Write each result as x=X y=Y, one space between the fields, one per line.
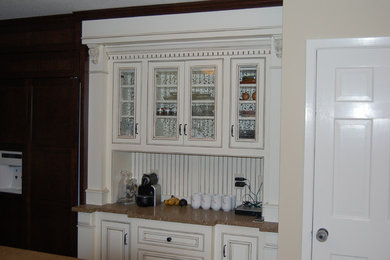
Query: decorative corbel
x=94 y=54
x=278 y=45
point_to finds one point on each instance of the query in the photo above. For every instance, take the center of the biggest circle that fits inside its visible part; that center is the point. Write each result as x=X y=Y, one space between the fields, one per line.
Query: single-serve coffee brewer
x=149 y=192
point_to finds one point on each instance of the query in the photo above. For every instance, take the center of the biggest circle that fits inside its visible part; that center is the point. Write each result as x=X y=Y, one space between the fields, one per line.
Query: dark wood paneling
x=12 y=220
x=13 y=112
x=54 y=175
x=53 y=228
x=190 y=7
x=39 y=33
x=53 y=181
x=42 y=64
x=55 y=112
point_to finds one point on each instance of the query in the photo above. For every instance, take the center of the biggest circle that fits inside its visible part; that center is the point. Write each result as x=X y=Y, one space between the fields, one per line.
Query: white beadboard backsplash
x=182 y=175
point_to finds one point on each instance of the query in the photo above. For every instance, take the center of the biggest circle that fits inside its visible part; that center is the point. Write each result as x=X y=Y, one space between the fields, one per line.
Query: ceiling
x=10 y=9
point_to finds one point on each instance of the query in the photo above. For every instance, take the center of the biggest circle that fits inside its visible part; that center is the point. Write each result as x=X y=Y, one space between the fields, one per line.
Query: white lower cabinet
x=115 y=240
x=108 y=236
x=243 y=243
x=168 y=240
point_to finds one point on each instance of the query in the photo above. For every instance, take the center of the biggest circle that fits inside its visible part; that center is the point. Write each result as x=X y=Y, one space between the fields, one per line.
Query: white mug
x=196 y=200
x=227 y=203
x=216 y=202
x=206 y=201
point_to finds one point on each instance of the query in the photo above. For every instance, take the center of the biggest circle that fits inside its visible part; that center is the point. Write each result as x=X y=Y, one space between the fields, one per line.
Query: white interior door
x=352 y=154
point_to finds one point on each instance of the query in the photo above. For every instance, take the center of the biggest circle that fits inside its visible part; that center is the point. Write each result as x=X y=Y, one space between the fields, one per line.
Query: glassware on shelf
x=203 y=109
x=247 y=103
x=166 y=77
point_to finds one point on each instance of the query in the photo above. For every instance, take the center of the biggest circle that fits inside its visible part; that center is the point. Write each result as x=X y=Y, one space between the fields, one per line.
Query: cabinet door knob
x=169 y=239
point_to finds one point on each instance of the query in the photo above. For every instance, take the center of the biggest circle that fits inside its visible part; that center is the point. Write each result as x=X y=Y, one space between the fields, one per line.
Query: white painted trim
x=312 y=47
x=97 y=197
x=191 y=26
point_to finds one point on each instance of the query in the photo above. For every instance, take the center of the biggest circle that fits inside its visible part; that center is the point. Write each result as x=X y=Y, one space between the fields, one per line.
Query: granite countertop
x=182 y=215
x=10 y=253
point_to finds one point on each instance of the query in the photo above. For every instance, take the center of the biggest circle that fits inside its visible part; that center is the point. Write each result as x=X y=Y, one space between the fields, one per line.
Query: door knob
x=322 y=234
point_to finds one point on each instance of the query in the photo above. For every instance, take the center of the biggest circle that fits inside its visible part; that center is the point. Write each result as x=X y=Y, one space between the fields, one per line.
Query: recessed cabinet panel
x=247 y=120
x=55 y=111
x=126 y=100
x=13 y=111
x=115 y=240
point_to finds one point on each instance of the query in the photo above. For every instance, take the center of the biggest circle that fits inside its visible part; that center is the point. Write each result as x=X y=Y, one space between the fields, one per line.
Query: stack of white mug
x=213 y=201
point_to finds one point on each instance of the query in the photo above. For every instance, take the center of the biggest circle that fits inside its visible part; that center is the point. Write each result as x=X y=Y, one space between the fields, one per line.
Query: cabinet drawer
x=150 y=255
x=171 y=238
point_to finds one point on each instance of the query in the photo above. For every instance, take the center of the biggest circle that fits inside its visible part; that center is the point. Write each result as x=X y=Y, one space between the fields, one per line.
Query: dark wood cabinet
x=42 y=113
x=55 y=108
x=13 y=112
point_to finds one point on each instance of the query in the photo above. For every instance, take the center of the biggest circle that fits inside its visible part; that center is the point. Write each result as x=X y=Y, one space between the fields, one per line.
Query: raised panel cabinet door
x=53 y=228
x=13 y=112
x=55 y=111
x=53 y=193
x=239 y=247
x=248 y=103
x=115 y=243
x=127 y=103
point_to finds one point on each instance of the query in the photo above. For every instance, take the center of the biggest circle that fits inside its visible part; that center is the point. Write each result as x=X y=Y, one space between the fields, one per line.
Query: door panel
x=55 y=112
x=352 y=151
x=13 y=112
x=115 y=240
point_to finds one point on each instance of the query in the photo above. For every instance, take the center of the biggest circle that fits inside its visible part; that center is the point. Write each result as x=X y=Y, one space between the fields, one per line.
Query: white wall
x=303 y=20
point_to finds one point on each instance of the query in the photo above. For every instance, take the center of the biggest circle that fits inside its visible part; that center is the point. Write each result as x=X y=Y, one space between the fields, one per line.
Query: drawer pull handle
x=169 y=239
x=224 y=251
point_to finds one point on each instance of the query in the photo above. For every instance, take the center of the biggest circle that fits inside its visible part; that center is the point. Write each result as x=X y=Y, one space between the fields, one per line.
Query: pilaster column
x=97 y=126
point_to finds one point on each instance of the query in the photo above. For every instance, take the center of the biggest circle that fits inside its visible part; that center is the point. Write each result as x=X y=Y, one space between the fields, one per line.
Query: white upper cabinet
x=186 y=103
x=247 y=107
x=126 y=103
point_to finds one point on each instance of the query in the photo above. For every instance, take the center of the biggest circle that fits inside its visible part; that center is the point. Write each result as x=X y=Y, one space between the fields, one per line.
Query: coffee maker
x=149 y=192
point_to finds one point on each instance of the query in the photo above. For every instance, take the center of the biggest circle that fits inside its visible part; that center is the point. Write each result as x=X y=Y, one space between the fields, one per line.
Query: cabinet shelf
x=203 y=101
x=203 y=117
x=247 y=101
x=203 y=86
x=127 y=86
x=166 y=101
x=166 y=86
x=248 y=85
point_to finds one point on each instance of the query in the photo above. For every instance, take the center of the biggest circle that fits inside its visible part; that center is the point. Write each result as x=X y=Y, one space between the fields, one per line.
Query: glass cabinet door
x=126 y=88
x=204 y=97
x=166 y=82
x=248 y=98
